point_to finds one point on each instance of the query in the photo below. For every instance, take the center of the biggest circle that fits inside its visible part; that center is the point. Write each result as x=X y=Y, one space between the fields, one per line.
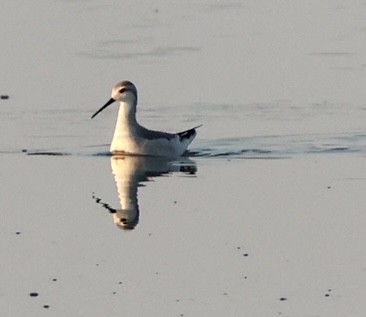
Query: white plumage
x=132 y=138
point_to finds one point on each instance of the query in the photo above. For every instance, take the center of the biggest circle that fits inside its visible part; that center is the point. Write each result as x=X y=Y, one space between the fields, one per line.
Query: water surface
x=265 y=216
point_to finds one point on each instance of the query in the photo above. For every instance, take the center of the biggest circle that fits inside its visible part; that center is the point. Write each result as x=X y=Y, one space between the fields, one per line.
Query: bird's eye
x=122 y=90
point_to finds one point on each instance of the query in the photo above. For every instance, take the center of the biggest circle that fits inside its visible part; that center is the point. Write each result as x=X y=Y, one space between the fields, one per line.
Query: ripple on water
x=280 y=146
x=258 y=147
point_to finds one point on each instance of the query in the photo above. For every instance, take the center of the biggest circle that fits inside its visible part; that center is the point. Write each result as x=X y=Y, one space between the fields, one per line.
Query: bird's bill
x=109 y=102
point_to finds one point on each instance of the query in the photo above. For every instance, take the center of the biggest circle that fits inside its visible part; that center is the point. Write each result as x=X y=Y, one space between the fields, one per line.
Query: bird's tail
x=188 y=134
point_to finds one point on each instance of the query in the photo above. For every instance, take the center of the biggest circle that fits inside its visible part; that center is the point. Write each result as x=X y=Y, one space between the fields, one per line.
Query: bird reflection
x=129 y=173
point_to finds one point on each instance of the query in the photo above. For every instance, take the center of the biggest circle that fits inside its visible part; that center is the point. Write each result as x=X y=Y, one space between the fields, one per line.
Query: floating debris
x=327 y=294
x=4 y=97
x=33 y=294
x=48 y=153
x=283 y=298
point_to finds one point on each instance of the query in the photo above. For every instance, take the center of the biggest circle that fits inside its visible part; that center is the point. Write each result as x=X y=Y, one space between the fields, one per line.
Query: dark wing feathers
x=151 y=134
x=188 y=133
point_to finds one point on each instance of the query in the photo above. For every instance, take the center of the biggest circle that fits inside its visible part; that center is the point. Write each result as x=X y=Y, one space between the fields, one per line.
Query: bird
x=132 y=138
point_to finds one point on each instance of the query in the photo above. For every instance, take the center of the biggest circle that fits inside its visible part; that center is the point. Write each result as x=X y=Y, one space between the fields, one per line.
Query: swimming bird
x=132 y=138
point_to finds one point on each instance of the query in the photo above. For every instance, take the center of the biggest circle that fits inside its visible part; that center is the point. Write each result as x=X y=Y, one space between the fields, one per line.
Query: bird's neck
x=126 y=120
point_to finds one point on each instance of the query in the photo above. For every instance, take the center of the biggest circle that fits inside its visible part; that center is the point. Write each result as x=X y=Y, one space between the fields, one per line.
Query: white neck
x=126 y=125
x=126 y=120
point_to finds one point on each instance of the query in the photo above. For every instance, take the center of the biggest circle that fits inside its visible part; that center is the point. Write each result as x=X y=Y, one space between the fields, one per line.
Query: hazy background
x=277 y=67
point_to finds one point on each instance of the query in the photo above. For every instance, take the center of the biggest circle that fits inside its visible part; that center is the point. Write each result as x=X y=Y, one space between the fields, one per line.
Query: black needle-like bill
x=109 y=102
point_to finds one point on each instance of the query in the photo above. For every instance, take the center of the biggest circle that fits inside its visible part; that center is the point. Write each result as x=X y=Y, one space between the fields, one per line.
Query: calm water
x=270 y=78
x=240 y=131
x=266 y=215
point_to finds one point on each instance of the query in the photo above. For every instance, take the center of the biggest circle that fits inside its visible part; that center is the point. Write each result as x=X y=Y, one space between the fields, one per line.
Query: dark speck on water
x=4 y=97
x=46 y=306
x=283 y=298
x=46 y=153
x=33 y=294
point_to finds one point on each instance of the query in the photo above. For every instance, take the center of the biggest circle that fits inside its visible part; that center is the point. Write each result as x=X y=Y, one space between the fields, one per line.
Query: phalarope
x=132 y=138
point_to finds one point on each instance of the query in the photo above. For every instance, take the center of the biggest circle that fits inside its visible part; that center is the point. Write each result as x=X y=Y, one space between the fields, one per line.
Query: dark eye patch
x=122 y=90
